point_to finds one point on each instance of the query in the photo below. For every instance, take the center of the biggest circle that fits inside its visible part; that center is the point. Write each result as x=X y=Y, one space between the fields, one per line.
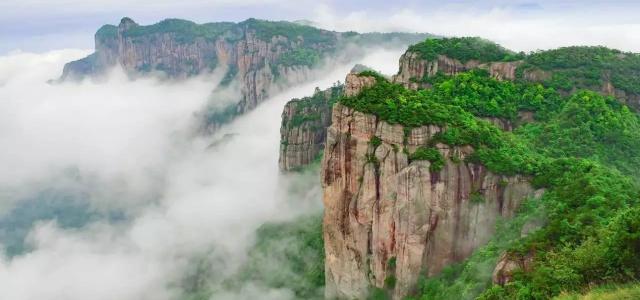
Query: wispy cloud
x=508 y=25
x=182 y=198
x=36 y=25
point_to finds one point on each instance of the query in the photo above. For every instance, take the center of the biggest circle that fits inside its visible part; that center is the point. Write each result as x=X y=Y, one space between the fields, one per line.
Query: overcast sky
x=41 y=25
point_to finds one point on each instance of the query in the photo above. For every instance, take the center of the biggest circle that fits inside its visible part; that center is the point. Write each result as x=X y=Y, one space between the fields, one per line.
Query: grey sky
x=42 y=25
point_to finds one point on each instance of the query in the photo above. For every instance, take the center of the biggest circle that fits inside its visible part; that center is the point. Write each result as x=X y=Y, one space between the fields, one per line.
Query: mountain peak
x=127 y=23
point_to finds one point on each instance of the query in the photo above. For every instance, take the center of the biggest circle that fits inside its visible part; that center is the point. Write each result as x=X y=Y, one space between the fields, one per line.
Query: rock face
x=304 y=128
x=252 y=58
x=414 y=69
x=256 y=53
x=305 y=121
x=355 y=83
x=508 y=265
x=390 y=217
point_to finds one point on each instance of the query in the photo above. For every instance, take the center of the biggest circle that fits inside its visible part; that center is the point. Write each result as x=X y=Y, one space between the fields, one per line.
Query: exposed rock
x=414 y=69
x=261 y=55
x=508 y=265
x=304 y=128
x=500 y=123
x=355 y=83
x=390 y=207
x=252 y=60
x=502 y=70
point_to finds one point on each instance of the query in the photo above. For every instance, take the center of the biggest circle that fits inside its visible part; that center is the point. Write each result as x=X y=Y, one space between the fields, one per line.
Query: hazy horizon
x=40 y=26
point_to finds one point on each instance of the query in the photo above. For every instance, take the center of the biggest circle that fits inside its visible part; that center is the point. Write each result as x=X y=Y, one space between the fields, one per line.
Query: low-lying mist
x=116 y=193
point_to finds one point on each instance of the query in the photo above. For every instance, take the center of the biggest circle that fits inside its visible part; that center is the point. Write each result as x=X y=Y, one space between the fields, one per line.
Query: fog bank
x=133 y=147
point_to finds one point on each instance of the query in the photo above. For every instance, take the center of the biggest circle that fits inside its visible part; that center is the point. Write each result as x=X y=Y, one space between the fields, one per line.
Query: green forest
x=582 y=149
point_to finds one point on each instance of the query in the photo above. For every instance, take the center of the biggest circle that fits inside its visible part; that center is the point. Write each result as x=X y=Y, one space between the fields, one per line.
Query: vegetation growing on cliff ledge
x=566 y=69
x=266 y=30
x=183 y=30
x=300 y=57
x=464 y=49
x=586 y=67
x=583 y=149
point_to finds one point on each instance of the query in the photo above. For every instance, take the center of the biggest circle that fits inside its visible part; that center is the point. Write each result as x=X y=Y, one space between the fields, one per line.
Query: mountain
x=256 y=53
x=478 y=172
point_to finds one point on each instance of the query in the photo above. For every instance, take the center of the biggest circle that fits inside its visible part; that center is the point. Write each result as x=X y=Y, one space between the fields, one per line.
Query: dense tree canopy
x=582 y=148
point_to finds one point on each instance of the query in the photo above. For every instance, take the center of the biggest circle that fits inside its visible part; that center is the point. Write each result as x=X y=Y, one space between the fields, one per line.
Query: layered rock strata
x=304 y=128
x=388 y=218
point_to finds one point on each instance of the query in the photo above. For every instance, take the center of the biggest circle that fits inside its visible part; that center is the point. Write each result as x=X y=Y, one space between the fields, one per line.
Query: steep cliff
x=256 y=53
x=304 y=128
x=607 y=71
x=305 y=121
x=249 y=52
x=390 y=214
x=415 y=71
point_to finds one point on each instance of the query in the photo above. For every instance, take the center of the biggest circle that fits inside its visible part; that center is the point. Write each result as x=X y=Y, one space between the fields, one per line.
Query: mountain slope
x=258 y=54
x=417 y=181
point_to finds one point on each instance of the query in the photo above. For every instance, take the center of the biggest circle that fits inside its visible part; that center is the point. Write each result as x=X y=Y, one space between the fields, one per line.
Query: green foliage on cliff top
x=583 y=150
x=184 y=31
x=313 y=109
x=464 y=49
x=474 y=92
x=587 y=67
x=430 y=154
x=300 y=57
x=107 y=32
x=266 y=30
x=567 y=68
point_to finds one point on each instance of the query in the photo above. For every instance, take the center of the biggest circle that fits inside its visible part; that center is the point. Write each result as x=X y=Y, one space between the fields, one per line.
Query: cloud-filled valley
x=157 y=193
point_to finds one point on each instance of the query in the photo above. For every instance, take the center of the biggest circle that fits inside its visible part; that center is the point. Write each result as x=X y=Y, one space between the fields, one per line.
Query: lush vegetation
x=266 y=30
x=582 y=149
x=590 y=126
x=464 y=49
x=629 y=292
x=312 y=110
x=566 y=69
x=289 y=255
x=300 y=57
x=586 y=67
x=107 y=32
x=184 y=31
x=430 y=154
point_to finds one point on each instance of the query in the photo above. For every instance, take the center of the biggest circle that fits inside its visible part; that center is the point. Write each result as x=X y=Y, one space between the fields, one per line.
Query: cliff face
x=256 y=53
x=253 y=59
x=304 y=128
x=387 y=217
x=414 y=69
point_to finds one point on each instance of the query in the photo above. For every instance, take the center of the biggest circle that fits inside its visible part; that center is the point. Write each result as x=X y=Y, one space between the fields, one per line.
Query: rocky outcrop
x=355 y=83
x=256 y=53
x=389 y=217
x=414 y=69
x=508 y=265
x=248 y=56
x=304 y=128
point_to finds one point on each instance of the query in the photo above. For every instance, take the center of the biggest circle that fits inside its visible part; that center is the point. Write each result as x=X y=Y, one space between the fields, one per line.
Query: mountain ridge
x=258 y=54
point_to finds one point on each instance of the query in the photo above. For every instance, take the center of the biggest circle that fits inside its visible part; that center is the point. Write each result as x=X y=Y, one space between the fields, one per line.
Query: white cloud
x=184 y=198
x=511 y=28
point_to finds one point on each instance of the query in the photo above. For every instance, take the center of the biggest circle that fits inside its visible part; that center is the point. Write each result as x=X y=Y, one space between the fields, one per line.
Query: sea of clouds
x=134 y=147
